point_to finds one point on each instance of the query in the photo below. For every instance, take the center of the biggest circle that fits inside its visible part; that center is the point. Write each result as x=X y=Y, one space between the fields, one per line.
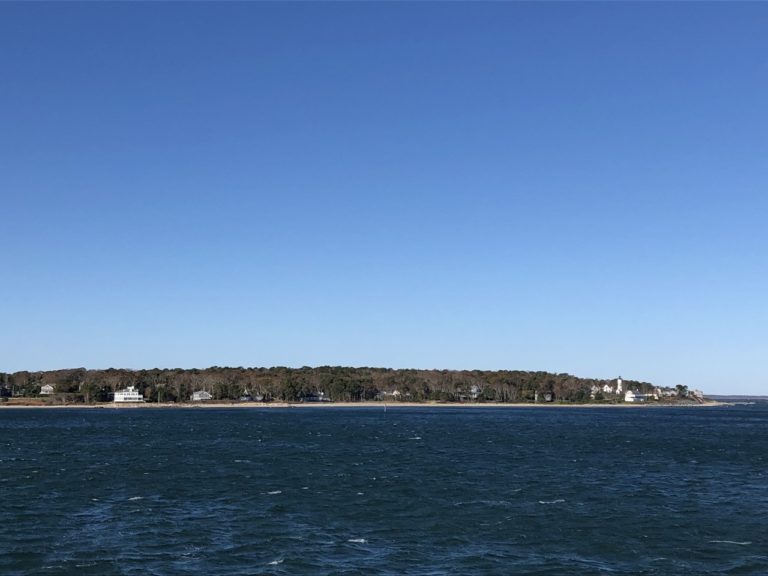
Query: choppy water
x=363 y=491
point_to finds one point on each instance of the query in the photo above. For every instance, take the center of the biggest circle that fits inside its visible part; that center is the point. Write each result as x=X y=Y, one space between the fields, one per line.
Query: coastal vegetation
x=337 y=383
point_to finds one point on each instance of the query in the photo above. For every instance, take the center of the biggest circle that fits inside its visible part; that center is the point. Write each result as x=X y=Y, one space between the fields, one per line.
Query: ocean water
x=366 y=491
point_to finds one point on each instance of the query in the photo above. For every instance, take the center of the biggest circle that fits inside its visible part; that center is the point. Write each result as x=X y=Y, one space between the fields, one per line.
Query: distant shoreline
x=367 y=405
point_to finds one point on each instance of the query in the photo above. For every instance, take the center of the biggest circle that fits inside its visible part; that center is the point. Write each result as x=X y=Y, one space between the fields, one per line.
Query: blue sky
x=576 y=187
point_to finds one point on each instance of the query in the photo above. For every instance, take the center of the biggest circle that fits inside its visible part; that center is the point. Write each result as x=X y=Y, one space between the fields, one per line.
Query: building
x=315 y=397
x=130 y=394
x=632 y=396
x=201 y=395
x=619 y=385
x=46 y=390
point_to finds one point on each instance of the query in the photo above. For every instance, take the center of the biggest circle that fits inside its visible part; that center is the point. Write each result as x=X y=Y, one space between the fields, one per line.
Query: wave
x=483 y=503
x=558 y=501
x=745 y=543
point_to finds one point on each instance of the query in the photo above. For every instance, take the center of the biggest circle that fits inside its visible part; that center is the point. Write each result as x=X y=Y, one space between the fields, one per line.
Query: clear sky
x=577 y=187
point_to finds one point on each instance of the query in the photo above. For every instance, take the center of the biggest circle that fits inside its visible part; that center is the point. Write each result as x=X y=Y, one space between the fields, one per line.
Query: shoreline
x=366 y=405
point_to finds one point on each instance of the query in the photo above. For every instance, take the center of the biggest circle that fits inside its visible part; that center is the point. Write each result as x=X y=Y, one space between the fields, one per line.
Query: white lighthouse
x=618 y=385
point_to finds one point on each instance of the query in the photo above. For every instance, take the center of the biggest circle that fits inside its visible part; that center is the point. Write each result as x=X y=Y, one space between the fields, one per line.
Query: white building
x=46 y=390
x=619 y=386
x=608 y=389
x=631 y=396
x=201 y=395
x=130 y=394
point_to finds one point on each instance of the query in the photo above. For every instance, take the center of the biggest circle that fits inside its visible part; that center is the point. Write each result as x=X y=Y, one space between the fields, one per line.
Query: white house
x=608 y=389
x=201 y=395
x=46 y=390
x=130 y=394
x=631 y=396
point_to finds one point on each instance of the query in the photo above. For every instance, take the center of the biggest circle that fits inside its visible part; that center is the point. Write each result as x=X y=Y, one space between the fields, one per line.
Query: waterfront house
x=632 y=396
x=248 y=397
x=46 y=390
x=201 y=395
x=315 y=397
x=473 y=394
x=129 y=394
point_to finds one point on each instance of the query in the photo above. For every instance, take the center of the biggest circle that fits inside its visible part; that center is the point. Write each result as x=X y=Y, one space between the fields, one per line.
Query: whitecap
x=745 y=543
x=558 y=501
x=136 y=498
x=415 y=438
x=483 y=502
x=275 y=562
x=275 y=492
x=358 y=540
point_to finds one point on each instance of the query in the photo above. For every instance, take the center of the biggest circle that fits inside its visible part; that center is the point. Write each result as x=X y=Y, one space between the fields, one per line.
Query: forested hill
x=293 y=384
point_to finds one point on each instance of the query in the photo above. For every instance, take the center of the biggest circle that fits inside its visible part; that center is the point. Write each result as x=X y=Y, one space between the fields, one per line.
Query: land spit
x=370 y=405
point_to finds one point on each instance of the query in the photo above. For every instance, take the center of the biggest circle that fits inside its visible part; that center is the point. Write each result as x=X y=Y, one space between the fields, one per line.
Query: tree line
x=341 y=384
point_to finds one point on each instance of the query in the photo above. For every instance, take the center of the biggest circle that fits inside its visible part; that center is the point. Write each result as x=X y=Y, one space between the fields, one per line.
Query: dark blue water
x=361 y=491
